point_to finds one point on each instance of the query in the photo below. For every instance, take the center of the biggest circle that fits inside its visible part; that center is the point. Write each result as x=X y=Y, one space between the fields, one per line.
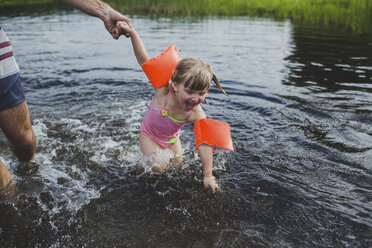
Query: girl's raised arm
x=138 y=46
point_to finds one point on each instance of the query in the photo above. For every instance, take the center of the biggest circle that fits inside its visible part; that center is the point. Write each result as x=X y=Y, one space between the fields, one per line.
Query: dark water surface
x=300 y=110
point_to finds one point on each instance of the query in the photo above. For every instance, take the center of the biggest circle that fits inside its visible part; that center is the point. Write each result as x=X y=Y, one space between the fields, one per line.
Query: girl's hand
x=125 y=28
x=212 y=183
x=111 y=19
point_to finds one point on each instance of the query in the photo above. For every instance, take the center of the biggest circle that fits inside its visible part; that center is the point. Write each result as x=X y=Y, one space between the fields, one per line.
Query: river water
x=300 y=113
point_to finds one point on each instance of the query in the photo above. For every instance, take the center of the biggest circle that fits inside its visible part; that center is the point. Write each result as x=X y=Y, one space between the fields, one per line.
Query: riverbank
x=5 y=3
x=351 y=15
x=354 y=16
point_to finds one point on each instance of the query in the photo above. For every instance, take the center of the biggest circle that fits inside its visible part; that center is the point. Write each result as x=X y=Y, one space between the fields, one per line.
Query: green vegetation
x=22 y=2
x=354 y=15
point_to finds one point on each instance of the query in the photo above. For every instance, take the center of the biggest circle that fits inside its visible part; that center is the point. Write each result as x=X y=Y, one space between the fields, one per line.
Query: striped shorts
x=11 y=89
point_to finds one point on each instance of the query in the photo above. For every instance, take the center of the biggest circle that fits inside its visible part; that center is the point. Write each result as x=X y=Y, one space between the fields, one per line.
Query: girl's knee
x=177 y=161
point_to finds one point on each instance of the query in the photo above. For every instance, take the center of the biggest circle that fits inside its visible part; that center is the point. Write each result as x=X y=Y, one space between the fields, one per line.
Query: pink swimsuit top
x=160 y=127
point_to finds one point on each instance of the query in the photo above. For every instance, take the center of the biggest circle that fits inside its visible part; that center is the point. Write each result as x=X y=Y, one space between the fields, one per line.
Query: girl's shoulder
x=160 y=96
x=197 y=114
x=162 y=91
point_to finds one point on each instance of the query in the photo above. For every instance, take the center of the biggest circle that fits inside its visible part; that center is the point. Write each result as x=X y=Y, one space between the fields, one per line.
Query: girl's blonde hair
x=196 y=74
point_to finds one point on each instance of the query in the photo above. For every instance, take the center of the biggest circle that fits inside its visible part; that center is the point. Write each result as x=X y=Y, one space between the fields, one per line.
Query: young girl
x=180 y=102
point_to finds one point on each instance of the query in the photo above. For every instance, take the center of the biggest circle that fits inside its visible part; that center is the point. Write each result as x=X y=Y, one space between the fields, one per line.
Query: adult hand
x=105 y=12
x=111 y=20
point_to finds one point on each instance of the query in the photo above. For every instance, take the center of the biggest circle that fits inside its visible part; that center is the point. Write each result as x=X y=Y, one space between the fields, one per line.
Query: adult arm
x=102 y=10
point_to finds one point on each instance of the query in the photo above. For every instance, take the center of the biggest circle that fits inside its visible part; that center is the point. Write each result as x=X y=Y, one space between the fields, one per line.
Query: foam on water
x=76 y=125
x=67 y=185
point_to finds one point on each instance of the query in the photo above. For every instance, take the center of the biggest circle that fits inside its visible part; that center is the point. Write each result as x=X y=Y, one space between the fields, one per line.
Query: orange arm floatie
x=214 y=133
x=159 y=69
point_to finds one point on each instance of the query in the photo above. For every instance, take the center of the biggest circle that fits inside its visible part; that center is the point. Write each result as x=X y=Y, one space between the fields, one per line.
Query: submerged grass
x=354 y=15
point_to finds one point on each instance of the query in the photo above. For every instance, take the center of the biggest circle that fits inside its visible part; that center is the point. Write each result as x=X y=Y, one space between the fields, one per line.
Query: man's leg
x=14 y=116
x=16 y=125
x=5 y=177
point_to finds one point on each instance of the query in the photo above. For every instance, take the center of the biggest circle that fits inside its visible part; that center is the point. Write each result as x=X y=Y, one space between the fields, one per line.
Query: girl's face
x=189 y=99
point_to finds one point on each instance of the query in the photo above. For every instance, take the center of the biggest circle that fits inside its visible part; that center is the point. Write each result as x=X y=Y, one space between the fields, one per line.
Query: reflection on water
x=300 y=114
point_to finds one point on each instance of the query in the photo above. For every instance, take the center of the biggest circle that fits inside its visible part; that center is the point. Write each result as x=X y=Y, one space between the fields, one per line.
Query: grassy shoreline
x=9 y=3
x=353 y=15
